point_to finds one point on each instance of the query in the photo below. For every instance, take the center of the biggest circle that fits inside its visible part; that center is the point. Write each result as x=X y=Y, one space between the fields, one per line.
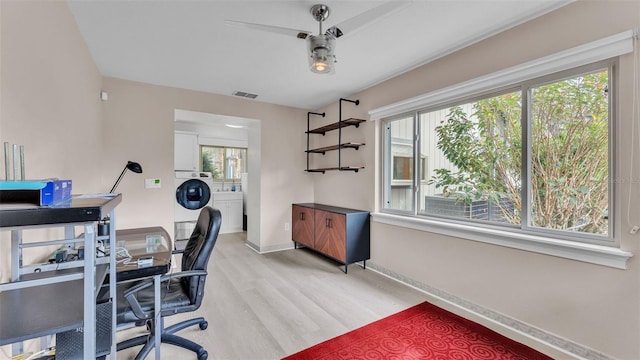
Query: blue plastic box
x=37 y=192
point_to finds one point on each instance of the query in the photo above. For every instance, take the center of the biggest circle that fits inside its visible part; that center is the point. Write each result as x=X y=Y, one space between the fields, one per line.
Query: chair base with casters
x=167 y=337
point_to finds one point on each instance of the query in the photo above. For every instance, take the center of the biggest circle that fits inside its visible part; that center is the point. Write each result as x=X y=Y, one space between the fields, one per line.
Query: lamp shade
x=131 y=165
x=135 y=167
x=321 y=53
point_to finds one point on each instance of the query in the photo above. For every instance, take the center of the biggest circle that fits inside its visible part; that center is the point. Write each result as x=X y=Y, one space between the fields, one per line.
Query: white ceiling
x=186 y=43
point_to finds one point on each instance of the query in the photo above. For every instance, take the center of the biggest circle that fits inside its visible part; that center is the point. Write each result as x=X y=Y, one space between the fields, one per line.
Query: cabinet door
x=234 y=216
x=185 y=152
x=331 y=234
x=302 y=225
x=223 y=206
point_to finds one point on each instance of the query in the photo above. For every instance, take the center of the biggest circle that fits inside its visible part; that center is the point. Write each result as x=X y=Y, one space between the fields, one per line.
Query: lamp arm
x=118 y=181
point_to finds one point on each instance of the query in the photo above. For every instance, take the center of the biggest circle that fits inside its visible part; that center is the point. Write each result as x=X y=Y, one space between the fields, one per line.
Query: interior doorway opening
x=197 y=130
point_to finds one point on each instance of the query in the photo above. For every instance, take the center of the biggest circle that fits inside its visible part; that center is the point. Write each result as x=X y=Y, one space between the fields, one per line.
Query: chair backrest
x=198 y=250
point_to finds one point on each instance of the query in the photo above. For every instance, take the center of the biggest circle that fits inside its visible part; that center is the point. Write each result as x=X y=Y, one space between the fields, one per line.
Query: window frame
x=612 y=67
x=525 y=88
x=591 y=52
x=387 y=166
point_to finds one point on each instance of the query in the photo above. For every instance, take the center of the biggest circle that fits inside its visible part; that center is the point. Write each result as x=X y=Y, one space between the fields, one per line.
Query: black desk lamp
x=133 y=166
x=103 y=226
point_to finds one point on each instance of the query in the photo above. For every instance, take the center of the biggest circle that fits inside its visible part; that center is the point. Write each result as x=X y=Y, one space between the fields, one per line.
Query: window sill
x=590 y=253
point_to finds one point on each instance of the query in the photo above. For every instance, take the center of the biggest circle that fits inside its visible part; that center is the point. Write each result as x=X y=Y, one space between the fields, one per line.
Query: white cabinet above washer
x=185 y=151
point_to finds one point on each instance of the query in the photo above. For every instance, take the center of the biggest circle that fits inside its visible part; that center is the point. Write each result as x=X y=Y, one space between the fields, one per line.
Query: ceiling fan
x=321 y=47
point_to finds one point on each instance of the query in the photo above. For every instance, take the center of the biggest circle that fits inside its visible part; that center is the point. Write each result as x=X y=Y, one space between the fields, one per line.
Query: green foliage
x=569 y=168
x=207 y=165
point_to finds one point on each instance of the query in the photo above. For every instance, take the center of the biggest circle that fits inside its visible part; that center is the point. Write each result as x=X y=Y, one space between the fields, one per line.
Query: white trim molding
x=590 y=253
x=602 y=49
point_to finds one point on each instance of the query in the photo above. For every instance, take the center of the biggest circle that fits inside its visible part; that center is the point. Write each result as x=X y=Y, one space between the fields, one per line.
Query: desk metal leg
x=158 y=328
x=89 y=331
x=113 y=242
x=16 y=263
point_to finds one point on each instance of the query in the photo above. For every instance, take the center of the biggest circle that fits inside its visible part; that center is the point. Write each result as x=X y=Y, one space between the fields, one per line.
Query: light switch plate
x=152 y=184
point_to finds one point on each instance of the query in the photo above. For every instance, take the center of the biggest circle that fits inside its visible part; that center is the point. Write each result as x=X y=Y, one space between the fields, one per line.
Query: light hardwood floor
x=272 y=305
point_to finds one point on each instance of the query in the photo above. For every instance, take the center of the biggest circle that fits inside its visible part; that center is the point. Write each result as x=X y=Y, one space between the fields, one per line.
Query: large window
x=224 y=163
x=534 y=157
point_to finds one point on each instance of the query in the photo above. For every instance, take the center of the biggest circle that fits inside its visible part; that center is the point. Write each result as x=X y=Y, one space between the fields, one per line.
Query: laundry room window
x=224 y=163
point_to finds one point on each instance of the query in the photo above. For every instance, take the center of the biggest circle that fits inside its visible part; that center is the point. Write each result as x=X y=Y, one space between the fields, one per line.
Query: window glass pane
x=399 y=159
x=402 y=168
x=569 y=154
x=224 y=163
x=472 y=160
x=212 y=161
x=235 y=162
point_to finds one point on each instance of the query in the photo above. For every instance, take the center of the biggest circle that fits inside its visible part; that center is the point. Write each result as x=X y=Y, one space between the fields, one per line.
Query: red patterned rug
x=424 y=331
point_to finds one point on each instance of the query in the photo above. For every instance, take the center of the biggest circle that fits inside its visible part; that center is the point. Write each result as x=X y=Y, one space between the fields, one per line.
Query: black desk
x=43 y=304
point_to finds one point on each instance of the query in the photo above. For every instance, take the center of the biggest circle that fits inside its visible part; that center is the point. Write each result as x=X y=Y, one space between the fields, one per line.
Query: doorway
x=207 y=129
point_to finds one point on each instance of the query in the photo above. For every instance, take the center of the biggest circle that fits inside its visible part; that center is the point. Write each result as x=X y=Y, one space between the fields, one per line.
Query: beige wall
x=49 y=102
x=139 y=125
x=49 y=98
x=49 y=93
x=589 y=304
x=49 y=89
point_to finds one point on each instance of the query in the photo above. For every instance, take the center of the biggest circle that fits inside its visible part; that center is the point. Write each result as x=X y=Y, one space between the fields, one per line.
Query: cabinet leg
x=364 y=264
x=346 y=267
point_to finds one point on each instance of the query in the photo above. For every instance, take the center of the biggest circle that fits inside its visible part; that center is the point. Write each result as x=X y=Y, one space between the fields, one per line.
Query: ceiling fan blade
x=352 y=24
x=300 y=34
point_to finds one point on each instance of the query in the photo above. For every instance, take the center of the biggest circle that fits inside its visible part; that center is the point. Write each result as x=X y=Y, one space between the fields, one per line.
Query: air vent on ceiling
x=245 y=94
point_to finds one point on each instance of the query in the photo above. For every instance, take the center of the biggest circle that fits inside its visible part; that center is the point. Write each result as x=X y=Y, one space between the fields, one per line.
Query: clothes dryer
x=193 y=192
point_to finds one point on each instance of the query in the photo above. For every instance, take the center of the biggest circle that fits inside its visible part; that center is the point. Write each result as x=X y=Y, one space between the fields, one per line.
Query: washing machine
x=193 y=192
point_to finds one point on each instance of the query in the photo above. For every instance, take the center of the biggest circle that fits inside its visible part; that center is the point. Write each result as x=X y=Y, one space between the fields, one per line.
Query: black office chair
x=180 y=292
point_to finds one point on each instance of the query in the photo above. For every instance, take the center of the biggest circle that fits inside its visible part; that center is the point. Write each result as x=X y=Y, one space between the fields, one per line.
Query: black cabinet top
x=80 y=208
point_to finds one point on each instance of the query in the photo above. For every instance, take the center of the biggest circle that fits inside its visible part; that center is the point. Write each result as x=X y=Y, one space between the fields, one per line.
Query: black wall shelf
x=340 y=145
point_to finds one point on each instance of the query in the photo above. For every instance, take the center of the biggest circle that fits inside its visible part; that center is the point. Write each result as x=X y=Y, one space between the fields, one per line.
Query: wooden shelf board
x=322 y=150
x=347 y=122
x=344 y=168
x=351 y=168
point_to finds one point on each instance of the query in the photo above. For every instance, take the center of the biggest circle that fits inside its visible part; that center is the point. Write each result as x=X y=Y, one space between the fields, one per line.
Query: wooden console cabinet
x=339 y=233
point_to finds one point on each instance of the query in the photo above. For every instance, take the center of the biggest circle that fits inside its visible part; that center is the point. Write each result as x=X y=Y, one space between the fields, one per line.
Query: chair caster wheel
x=203 y=325
x=203 y=355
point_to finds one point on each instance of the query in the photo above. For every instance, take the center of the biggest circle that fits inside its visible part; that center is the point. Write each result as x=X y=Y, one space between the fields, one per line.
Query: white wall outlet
x=152 y=184
x=286 y=226
x=634 y=230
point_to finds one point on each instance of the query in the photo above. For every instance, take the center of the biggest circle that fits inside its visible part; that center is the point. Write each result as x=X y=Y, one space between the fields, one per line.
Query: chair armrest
x=130 y=294
x=182 y=274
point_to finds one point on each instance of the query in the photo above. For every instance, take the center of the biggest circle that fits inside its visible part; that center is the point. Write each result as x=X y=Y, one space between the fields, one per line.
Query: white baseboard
x=268 y=249
x=538 y=339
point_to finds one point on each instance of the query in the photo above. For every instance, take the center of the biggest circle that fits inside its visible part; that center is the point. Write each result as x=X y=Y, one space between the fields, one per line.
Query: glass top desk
x=142 y=252
x=148 y=254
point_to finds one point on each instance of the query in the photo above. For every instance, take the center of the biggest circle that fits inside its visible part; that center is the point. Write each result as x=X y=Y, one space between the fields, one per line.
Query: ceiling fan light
x=321 y=57
x=322 y=64
x=320 y=67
